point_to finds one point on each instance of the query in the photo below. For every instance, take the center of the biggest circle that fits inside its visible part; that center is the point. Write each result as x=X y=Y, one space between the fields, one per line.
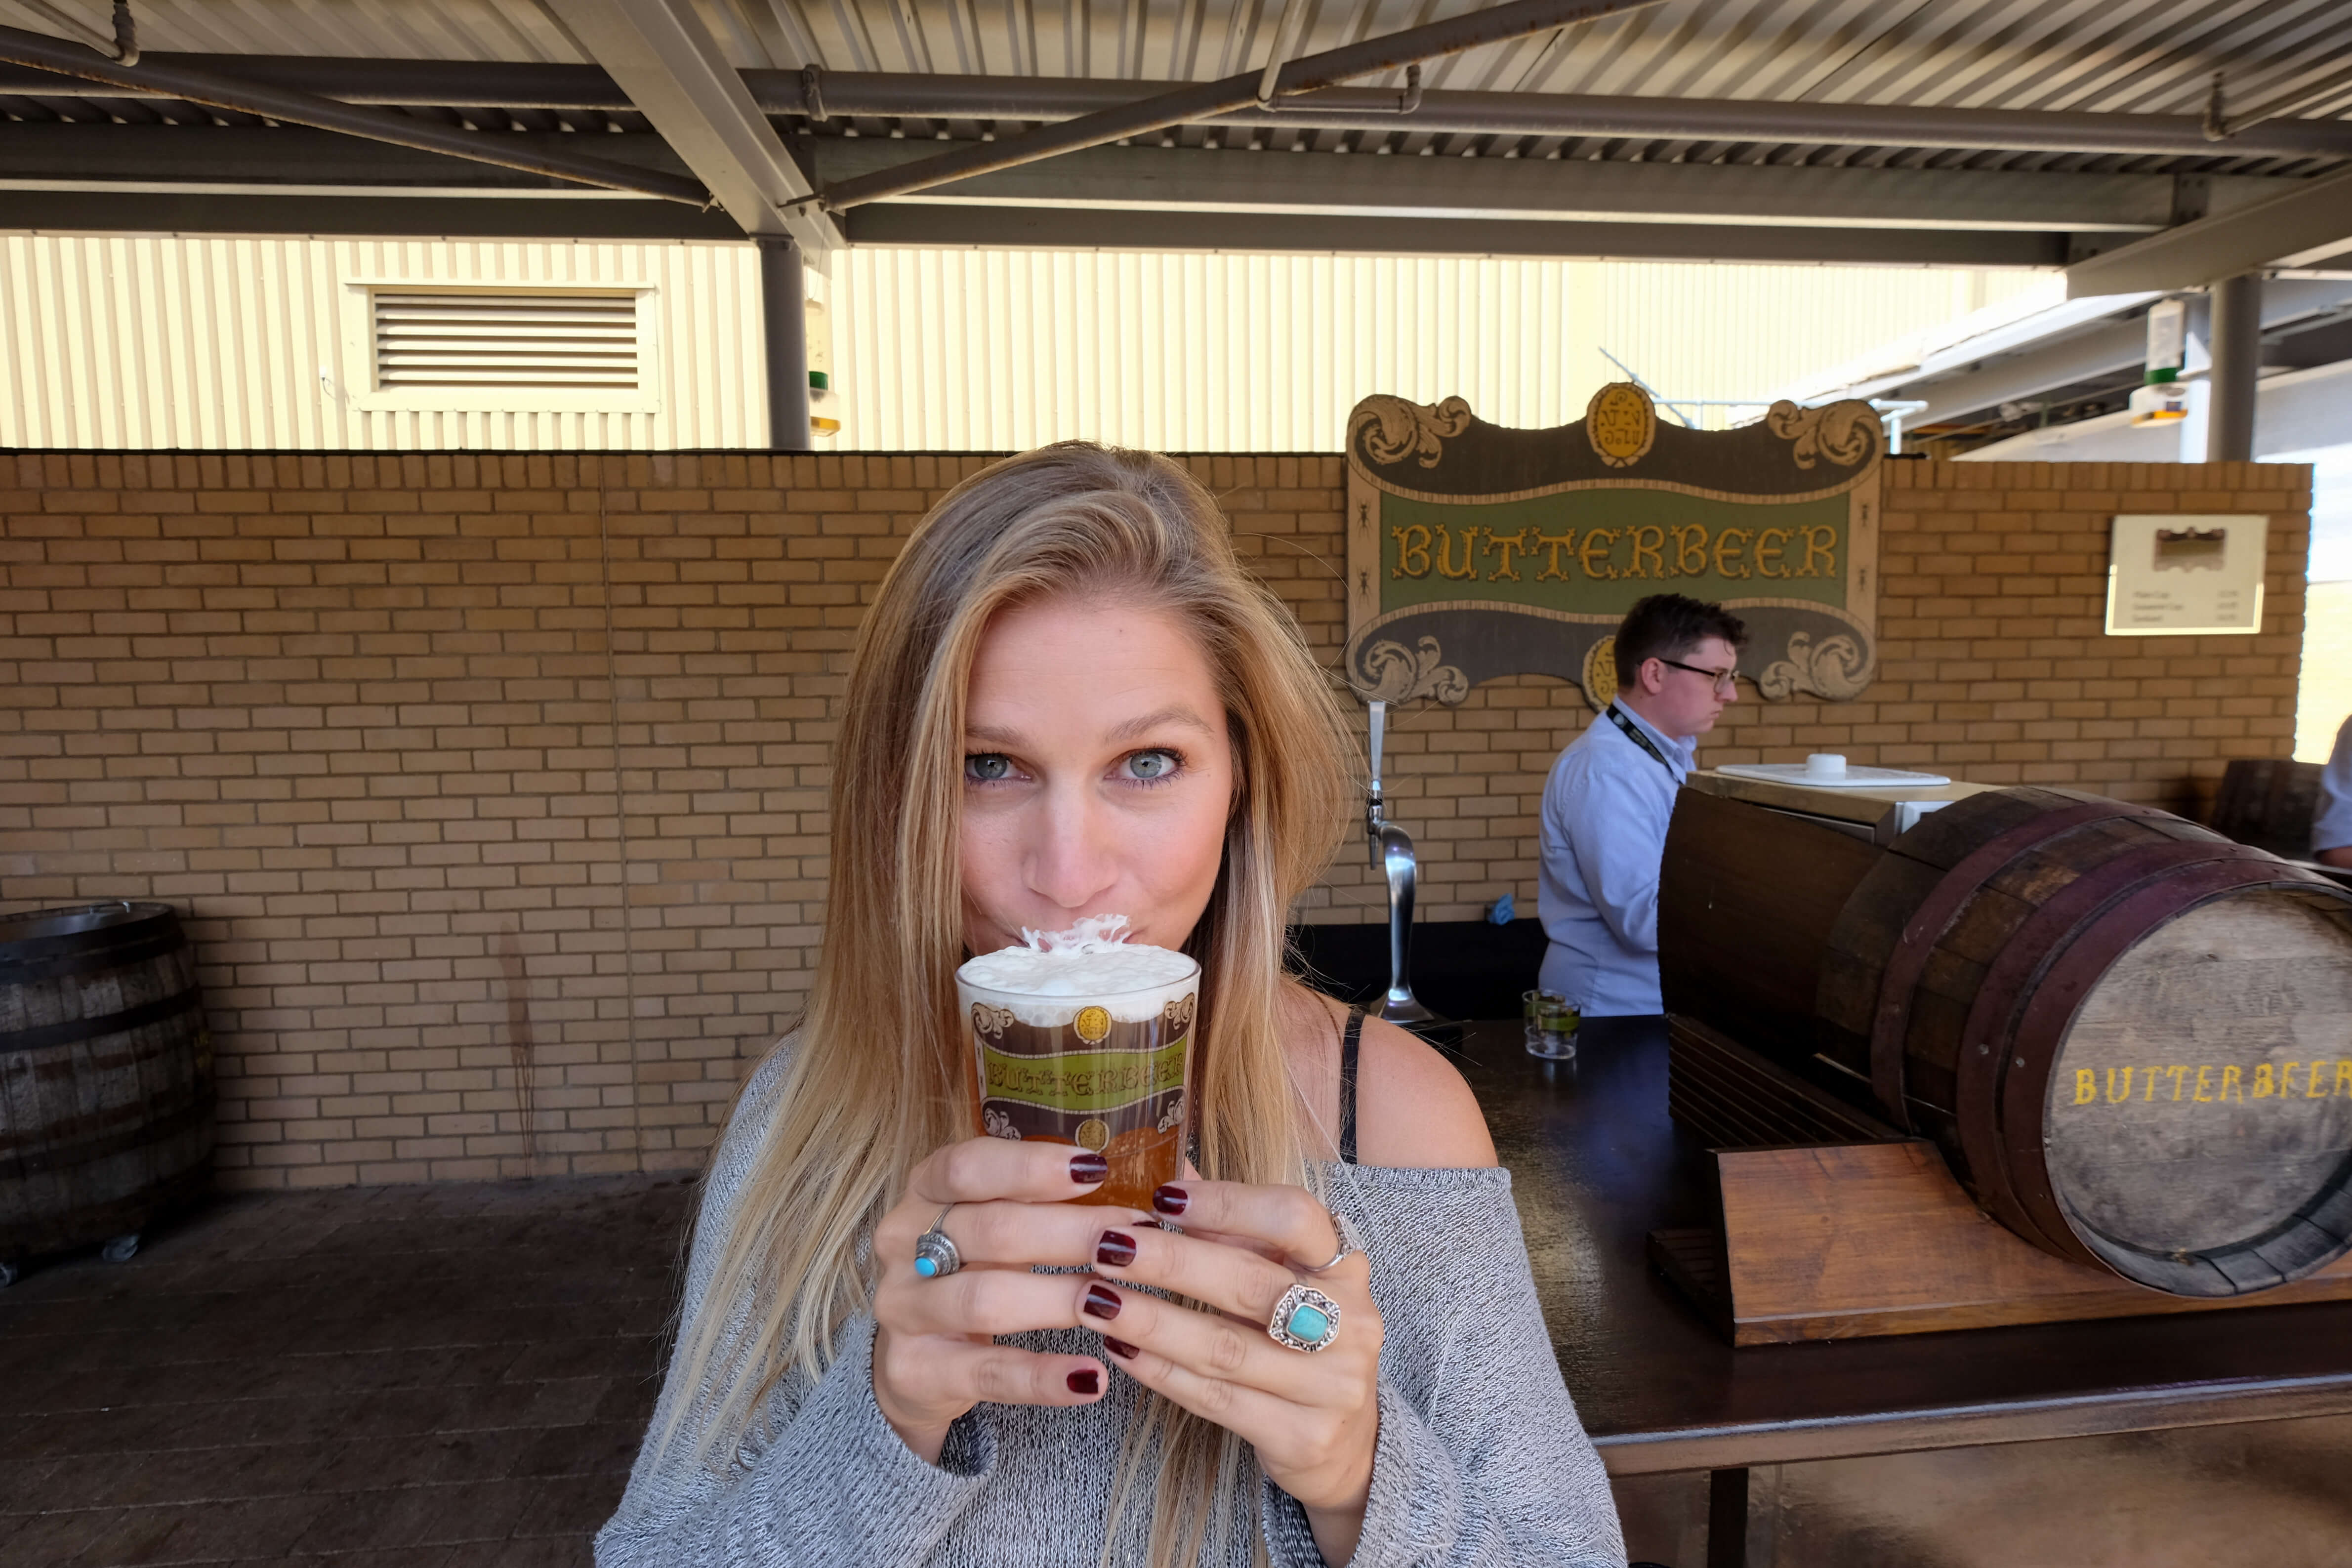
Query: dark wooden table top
x=1597 y=1165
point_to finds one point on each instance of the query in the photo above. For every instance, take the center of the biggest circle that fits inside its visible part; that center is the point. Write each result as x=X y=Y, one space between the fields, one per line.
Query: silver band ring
x=1348 y=1245
x=936 y=1257
x=1305 y=1320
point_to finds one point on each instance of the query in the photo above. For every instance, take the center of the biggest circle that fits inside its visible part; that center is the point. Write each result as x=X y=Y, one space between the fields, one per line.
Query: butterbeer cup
x=1088 y=1049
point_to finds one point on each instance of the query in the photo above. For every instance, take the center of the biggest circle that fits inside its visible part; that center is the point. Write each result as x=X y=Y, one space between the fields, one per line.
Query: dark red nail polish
x=1116 y=1249
x=1119 y=1347
x=1171 y=1200
x=1086 y=1170
x=1101 y=1301
x=1087 y=1381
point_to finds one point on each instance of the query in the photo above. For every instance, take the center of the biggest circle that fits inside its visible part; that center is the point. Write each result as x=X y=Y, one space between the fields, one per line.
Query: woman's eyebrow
x=1177 y=715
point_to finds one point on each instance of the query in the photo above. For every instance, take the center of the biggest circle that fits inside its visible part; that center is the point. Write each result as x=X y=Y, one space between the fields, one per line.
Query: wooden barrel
x=2131 y=1037
x=106 y=1095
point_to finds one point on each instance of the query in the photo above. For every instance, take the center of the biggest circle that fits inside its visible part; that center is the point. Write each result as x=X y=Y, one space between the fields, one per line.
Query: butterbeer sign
x=1476 y=552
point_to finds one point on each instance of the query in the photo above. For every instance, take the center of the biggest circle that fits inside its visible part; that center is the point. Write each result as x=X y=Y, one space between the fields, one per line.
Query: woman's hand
x=934 y=1357
x=1313 y=1418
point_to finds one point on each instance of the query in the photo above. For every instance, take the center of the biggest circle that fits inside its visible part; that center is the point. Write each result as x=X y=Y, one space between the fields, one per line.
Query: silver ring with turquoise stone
x=936 y=1257
x=1305 y=1320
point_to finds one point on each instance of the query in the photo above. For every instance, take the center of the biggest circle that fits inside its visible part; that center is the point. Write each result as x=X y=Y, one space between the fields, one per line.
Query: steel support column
x=783 y=302
x=2237 y=364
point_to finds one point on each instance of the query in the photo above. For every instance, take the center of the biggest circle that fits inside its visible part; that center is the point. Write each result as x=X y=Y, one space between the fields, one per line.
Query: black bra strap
x=1349 y=1045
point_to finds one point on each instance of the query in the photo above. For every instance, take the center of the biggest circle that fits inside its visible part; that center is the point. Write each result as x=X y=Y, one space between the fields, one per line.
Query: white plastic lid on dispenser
x=1830 y=770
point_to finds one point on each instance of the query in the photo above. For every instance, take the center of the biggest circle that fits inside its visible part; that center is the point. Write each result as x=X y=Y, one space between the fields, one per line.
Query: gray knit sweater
x=1480 y=1459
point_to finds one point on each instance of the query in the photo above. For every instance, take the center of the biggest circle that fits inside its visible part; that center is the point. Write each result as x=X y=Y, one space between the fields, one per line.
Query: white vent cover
x=478 y=340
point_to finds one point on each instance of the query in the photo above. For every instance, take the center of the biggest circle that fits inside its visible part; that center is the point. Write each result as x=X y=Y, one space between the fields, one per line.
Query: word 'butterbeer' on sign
x=1608 y=554
x=2215 y=1083
x=1477 y=552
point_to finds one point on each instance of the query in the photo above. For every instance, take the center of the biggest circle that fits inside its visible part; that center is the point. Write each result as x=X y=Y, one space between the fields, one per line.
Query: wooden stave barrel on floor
x=106 y=1084
x=1959 y=965
x=1912 y=953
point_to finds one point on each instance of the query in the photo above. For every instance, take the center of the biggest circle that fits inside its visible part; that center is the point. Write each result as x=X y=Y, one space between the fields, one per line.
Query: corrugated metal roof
x=2098 y=56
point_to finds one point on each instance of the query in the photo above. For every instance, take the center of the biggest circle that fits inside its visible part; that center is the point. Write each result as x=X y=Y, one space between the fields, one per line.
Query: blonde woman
x=1069 y=699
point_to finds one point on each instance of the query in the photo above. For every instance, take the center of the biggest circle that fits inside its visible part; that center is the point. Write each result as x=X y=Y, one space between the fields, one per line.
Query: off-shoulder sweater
x=1480 y=1459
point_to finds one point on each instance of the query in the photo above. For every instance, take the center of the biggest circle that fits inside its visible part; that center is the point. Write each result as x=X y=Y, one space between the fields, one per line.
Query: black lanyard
x=1638 y=738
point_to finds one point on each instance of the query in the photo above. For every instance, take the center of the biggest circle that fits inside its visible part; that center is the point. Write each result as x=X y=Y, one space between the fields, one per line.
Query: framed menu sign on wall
x=2186 y=576
x=1476 y=552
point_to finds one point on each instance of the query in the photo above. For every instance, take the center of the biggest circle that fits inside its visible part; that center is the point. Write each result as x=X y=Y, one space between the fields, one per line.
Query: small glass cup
x=1551 y=1035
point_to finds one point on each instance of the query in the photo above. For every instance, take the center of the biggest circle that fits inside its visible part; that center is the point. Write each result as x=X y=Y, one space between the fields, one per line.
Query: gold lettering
x=1502 y=545
x=2286 y=1073
x=1597 y=542
x=2112 y=1097
x=1656 y=543
x=2262 y=1084
x=2201 y=1096
x=2311 y=1084
x=2086 y=1086
x=2343 y=1076
x=1446 y=552
x=2178 y=1074
x=2229 y=1077
x=1413 y=545
x=1820 y=540
x=1727 y=554
x=2152 y=1074
x=1690 y=550
x=1555 y=543
x=1768 y=554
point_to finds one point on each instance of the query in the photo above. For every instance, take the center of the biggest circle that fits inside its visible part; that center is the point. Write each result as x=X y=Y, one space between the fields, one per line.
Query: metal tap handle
x=1380 y=730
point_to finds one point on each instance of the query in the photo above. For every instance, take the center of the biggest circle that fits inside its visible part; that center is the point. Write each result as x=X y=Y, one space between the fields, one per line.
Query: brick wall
x=495 y=787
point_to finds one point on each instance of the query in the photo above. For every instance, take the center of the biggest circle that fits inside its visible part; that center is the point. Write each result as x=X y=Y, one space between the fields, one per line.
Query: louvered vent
x=570 y=341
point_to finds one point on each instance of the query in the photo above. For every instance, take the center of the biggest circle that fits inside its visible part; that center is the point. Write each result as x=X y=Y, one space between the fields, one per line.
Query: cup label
x=1087 y=1081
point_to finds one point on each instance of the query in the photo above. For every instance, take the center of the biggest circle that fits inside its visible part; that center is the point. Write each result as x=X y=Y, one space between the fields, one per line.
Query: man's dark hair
x=1669 y=626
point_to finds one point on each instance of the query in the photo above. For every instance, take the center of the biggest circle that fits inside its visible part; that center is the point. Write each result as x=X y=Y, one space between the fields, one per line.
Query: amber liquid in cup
x=1110 y=1072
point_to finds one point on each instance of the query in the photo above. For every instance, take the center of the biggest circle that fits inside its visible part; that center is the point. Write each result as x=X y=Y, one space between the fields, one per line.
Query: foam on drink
x=1117 y=973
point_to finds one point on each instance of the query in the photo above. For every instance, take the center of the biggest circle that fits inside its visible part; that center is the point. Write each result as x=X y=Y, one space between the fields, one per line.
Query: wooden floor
x=458 y=1376
x=401 y=1377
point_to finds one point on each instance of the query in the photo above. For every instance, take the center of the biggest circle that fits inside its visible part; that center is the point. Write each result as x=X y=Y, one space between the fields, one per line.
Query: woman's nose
x=1072 y=858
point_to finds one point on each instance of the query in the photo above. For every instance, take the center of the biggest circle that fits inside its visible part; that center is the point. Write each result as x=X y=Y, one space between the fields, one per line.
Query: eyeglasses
x=1725 y=679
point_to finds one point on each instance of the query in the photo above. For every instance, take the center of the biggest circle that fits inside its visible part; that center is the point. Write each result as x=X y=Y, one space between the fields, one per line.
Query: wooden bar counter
x=1597 y=1165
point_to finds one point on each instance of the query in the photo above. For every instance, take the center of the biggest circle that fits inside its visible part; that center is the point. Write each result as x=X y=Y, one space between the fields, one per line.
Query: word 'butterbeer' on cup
x=1081 y=1039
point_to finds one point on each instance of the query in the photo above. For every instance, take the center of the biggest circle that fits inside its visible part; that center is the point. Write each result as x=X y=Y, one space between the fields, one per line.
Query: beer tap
x=1391 y=853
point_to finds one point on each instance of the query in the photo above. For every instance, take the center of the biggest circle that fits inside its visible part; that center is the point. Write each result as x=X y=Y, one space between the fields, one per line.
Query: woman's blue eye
x=1151 y=765
x=987 y=767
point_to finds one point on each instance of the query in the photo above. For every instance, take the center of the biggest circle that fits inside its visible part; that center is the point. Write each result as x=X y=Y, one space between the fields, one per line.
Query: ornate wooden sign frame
x=1552 y=535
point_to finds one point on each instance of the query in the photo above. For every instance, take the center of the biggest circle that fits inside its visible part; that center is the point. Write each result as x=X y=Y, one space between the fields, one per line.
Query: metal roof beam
x=914 y=96
x=675 y=76
x=1964 y=385
x=285 y=105
x=282 y=156
x=1079 y=228
x=420 y=213
x=554 y=216
x=1117 y=179
x=1474 y=29
x=1581 y=190
x=2314 y=216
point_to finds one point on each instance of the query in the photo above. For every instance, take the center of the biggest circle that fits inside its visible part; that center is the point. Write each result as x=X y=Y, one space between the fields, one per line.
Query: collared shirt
x=1605 y=810
x=2332 y=828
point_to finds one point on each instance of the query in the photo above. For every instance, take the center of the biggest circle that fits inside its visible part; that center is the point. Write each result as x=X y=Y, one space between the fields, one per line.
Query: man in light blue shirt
x=1612 y=793
x=2331 y=831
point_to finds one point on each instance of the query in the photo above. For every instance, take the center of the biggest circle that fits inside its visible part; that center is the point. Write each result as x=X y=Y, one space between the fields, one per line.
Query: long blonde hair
x=878 y=1077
